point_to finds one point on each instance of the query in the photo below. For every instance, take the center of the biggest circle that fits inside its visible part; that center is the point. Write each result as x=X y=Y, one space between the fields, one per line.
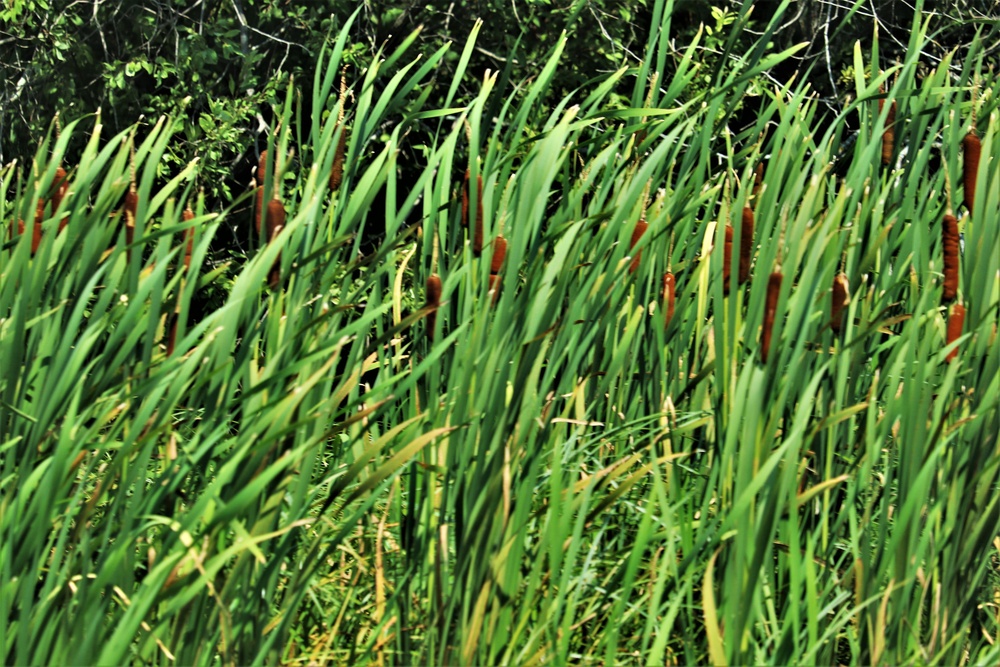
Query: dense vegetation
x=675 y=362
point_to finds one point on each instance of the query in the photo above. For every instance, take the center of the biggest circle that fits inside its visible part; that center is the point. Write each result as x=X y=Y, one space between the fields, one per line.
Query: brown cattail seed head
x=499 y=253
x=669 y=288
x=433 y=291
x=949 y=245
x=956 y=320
x=746 y=244
x=889 y=134
x=841 y=299
x=337 y=171
x=770 y=307
x=262 y=167
x=637 y=232
x=130 y=207
x=275 y=218
x=433 y=295
x=971 y=149
x=727 y=259
x=188 y=216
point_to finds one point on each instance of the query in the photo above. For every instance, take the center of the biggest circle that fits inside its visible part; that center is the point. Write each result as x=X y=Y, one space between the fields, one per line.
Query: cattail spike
x=337 y=170
x=130 y=207
x=669 y=289
x=499 y=254
x=889 y=134
x=840 y=300
x=275 y=218
x=432 y=295
x=640 y=228
x=949 y=245
x=727 y=259
x=956 y=320
x=262 y=167
x=770 y=307
x=188 y=216
x=746 y=244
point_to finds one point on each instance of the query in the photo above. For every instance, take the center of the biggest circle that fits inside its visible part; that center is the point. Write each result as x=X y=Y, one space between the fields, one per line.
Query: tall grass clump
x=308 y=474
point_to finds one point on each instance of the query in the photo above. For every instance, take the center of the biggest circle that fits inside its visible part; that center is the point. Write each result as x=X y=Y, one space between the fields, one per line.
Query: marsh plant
x=401 y=440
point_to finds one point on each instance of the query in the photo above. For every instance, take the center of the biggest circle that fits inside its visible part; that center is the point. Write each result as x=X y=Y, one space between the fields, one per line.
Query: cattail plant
x=275 y=223
x=889 y=134
x=840 y=300
x=130 y=207
x=669 y=289
x=746 y=244
x=949 y=246
x=477 y=232
x=770 y=307
x=188 y=216
x=432 y=294
x=640 y=228
x=58 y=191
x=337 y=170
x=727 y=259
x=956 y=320
x=496 y=263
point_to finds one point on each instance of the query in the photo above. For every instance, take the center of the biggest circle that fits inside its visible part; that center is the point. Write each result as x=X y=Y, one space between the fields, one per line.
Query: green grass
x=556 y=477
